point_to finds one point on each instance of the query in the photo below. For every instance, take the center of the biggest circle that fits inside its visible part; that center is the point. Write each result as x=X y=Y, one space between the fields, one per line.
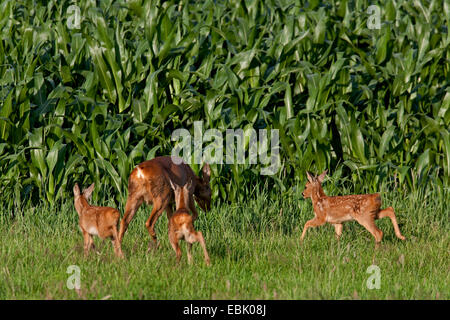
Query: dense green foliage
x=86 y=103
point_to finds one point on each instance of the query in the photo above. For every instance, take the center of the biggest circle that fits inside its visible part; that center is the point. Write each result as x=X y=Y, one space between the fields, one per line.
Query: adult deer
x=364 y=208
x=148 y=183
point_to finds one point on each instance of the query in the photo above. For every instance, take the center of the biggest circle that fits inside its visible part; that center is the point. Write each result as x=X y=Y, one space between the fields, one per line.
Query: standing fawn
x=99 y=221
x=148 y=183
x=181 y=224
x=364 y=208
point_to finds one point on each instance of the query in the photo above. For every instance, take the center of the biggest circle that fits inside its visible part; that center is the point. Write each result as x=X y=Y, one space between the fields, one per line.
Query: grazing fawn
x=181 y=224
x=99 y=221
x=148 y=183
x=364 y=208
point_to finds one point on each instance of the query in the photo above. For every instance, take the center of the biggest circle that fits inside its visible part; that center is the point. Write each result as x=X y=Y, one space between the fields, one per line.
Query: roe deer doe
x=364 y=208
x=181 y=224
x=100 y=221
x=148 y=183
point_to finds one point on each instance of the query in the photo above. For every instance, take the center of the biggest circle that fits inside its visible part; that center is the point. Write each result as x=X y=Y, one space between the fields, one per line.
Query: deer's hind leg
x=173 y=239
x=389 y=212
x=116 y=243
x=132 y=205
x=368 y=222
x=159 y=205
x=199 y=238
x=189 y=250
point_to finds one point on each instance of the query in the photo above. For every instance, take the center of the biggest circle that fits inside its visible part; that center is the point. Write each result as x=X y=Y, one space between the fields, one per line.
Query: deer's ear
x=310 y=177
x=76 y=190
x=172 y=185
x=189 y=184
x=322 y=176
x=206 y=170
x=88 y=192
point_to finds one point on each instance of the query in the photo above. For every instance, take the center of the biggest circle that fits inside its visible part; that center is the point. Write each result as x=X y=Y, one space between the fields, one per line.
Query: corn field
x=89 y=89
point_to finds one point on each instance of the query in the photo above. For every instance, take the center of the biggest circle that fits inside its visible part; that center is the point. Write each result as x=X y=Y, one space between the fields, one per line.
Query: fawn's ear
x=187 y=188
x=88 y=192
x=189 y=184
x=310 y=177
x=322 y=176
x=172 y=184
x=206 y=170
x=76 y=190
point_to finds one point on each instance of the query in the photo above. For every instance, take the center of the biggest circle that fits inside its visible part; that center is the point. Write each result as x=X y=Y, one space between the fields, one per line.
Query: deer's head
x=314 y=184
x=181 y=194
x=82 y=198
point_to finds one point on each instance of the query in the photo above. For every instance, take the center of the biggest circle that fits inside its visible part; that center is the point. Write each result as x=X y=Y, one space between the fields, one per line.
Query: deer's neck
x=317 y=197
x=81 y=204
x=182 y=201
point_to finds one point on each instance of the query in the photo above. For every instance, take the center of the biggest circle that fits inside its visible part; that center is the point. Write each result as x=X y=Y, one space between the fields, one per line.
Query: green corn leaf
x=385 y=140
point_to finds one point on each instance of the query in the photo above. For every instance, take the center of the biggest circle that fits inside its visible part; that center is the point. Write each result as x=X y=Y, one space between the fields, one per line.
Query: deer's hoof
x=153 y=246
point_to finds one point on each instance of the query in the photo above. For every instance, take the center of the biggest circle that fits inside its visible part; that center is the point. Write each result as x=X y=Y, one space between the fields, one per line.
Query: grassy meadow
x=254 y=249
x=90 y=89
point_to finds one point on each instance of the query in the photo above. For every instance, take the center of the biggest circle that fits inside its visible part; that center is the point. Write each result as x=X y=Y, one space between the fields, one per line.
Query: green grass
x=88 y=104
x=254 y=249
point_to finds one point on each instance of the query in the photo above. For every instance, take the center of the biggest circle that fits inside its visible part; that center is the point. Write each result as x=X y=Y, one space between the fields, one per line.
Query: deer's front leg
x=86 y=238
x=338 y=229
x=315 y=222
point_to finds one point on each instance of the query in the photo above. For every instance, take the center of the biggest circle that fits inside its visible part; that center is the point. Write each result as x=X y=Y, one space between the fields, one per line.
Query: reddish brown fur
x=364 y=208
x=101 y=221
x=181 y=224
x=148 y=183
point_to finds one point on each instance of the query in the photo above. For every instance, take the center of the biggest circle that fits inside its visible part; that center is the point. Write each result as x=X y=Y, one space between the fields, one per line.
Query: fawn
x=181 y=224
x=99 y=221
x=364 y=208
x=148 y=183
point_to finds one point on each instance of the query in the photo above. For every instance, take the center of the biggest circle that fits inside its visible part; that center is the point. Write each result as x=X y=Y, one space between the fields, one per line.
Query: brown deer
x=364 y=208
x=181 y=224
x=99 y=221
x=148 y=183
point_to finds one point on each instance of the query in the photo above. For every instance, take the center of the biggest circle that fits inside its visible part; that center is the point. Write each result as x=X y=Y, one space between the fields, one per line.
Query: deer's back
x=99 y=220
x=181 y=225
x=149 y=177
x=352 y=204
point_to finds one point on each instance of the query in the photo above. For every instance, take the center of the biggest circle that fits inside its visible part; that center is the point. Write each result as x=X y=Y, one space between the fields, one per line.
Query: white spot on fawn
x=93 y=230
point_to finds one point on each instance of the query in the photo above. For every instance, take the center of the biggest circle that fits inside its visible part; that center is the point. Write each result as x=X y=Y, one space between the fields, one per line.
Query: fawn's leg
x=338 y=229
x=368 y=222
x=173 y=239
x=389 y=212
x=199 y=237
x=86 y=242
x=189 y=255
x=91 y=243
x=314 y=222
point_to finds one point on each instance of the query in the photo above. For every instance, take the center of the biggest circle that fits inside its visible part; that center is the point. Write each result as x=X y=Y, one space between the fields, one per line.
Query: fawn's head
x=202 y=192
x=82 y=198
x=314 y=184
x=181 y=194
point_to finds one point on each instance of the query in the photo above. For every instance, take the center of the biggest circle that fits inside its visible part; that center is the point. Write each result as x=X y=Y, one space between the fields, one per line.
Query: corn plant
x=88 y=101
